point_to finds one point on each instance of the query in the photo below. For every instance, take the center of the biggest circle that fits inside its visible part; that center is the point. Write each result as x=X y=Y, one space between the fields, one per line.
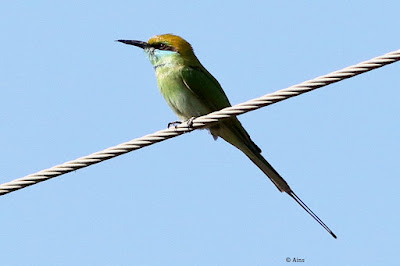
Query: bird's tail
x=267 y=168
x=280 y=183
x=233 y=132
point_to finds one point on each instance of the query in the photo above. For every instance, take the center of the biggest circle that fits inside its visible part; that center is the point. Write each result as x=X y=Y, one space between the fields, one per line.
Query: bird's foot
x=189 y=122
x=174 y=123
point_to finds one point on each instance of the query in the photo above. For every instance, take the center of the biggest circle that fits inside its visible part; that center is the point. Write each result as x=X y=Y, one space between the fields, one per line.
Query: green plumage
x=191 y=91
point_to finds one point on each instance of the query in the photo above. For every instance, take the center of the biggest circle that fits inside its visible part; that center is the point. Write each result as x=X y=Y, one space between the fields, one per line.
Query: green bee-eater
x=191 y=91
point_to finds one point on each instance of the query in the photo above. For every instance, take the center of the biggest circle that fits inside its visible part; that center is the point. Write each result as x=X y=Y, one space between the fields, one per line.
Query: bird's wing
x=205 y=87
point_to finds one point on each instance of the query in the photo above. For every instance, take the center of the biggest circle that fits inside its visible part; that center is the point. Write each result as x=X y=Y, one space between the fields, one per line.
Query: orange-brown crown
x=174 y=41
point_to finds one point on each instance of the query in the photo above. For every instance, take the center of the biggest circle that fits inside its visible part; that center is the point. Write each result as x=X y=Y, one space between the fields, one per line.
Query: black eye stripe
x=163 y=46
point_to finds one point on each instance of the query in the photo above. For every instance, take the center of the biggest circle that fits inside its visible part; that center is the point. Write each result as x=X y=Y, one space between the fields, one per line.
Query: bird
x=191 y=91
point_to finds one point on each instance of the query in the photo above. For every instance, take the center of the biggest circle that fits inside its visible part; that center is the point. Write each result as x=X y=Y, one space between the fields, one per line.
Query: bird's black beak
x=135 y=43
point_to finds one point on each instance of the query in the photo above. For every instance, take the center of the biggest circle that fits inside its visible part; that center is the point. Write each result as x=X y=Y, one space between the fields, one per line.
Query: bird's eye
x=162 y=46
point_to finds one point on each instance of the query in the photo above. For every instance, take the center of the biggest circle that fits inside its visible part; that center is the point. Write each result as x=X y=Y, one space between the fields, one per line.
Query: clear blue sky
x=67 y=90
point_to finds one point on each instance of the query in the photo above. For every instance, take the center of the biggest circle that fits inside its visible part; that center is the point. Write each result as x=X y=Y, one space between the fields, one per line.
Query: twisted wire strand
x=200 y=122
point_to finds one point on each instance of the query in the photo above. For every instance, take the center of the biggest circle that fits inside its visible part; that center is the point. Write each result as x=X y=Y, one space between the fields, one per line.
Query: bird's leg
x=189 y=122
x=174 y=123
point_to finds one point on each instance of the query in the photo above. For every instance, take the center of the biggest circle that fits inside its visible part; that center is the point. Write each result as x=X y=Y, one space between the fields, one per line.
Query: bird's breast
x=181 y=100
